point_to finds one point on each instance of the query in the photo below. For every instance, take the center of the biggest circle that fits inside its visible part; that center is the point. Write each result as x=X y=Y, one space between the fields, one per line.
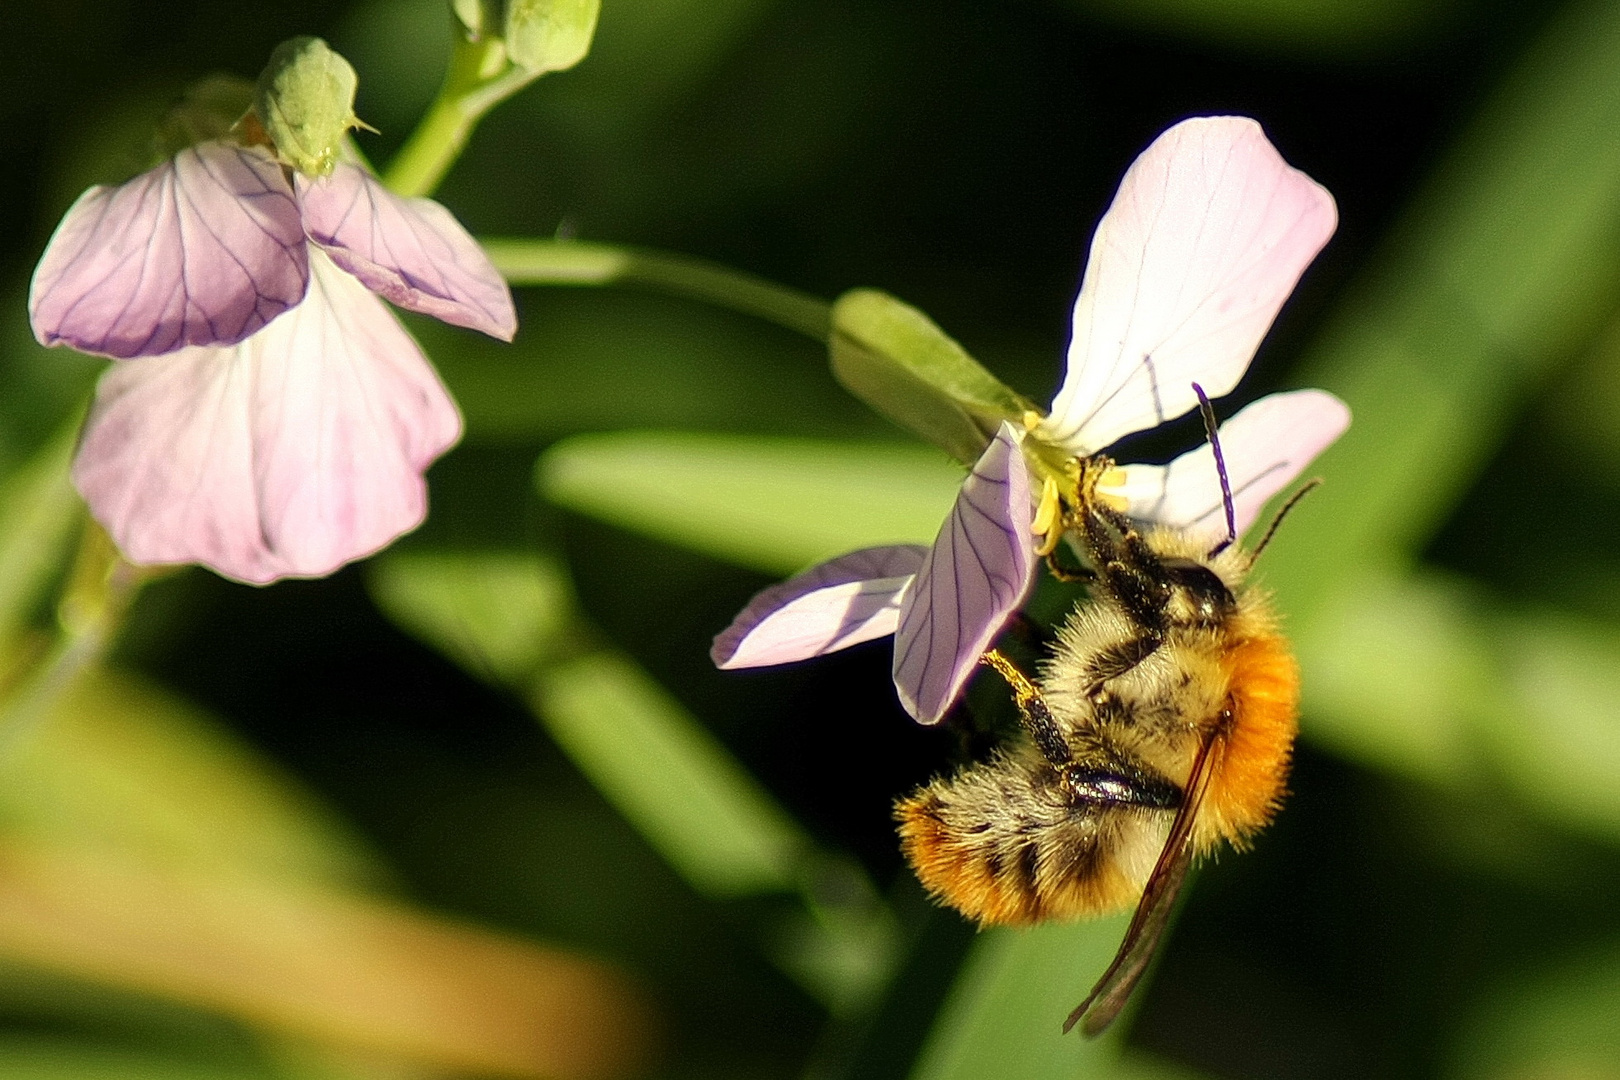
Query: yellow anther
x=1032 y=419
x=1112 y=501
x=1113 y=477
x=1048 y=516
x=1047 y=513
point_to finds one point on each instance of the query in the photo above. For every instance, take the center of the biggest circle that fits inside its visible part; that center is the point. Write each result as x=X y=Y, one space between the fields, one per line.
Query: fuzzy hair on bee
x=1161 y=725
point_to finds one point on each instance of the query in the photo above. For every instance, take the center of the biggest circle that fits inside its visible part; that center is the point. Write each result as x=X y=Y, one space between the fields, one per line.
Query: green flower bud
x=305 y=100
x=549 y=35
x=472 y=16
x=894 y=358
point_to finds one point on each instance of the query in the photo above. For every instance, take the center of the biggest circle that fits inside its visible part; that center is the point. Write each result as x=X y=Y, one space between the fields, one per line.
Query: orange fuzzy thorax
x=1248 y=781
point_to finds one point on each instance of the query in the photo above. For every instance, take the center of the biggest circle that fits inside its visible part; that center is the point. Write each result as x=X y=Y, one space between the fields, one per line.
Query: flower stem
x=99 y=591
x=478 y=79
x=576 y=262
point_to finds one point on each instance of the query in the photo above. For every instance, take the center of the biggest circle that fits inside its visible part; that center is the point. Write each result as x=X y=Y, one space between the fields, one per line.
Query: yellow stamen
x=1047 y=517
x=1111 y=477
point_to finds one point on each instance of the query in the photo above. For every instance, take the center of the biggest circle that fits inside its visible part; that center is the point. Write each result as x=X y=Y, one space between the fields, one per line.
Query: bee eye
x=1209 y=594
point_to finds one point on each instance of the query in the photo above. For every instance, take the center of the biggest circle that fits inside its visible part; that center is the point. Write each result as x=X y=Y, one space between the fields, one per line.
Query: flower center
x=1068 y=486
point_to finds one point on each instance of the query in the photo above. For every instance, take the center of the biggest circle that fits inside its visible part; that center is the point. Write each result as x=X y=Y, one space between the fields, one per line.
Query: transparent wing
x=977 y=573
x=286 y=456
x=1266 y=445
x=1136 y=950
x=205 y=249
x=831 y=606
x=412 y=251
x=1206 y=238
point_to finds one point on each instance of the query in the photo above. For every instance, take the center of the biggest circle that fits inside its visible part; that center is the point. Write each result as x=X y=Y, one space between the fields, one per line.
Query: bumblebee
x=1162 y=724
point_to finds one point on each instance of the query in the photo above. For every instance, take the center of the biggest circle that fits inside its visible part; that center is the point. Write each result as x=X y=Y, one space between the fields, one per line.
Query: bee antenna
x=1208 y=412
x=1293 y=501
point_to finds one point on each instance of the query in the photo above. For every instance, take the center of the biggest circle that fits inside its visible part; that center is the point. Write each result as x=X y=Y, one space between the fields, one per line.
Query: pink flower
x=272 y=418
x=1207 y=236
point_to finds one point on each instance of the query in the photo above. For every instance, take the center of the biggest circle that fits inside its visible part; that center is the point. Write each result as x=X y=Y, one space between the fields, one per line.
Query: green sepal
x=893 y=357
x=549 y=35
x=305 y=100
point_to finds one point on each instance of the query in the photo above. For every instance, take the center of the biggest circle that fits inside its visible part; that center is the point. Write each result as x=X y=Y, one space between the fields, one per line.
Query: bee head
x=1197 y=593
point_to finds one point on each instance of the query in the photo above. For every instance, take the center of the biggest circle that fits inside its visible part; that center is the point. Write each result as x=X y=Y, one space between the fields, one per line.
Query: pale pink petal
x=1209 y=233
x=203 y=250
x=979 y=570
x=286 y=456
x=411 y=251
x=1265 y=446
x=831 y=606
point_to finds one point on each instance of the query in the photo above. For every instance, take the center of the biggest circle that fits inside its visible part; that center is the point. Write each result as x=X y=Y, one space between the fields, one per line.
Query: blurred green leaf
x=670 y=778
x=1400 y=676
x=38 y=512
x=1558 y=744
x=894 y=358
x=844 y=946
x=1578 y=416
x=26 y=1057
x=598 y=359
x=509 y=618
x=1507 y=263
x=497 y=614
x=1005 y=1014
x=40 y=389
x=777 y=505
x=1418 y=675
x=1557 y=1023
x=120 y=764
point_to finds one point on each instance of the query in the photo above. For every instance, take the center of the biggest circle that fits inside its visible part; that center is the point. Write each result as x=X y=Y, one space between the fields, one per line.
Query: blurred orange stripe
x=325 y=964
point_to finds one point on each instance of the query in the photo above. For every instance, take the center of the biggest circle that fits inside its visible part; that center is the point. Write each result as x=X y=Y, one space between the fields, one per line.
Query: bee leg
x=1032 y=710
x=1116 y=660
x=1066 y=574
x=1128 y=569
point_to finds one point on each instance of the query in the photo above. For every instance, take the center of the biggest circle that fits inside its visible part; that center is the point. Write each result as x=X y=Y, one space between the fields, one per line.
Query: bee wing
x=1265 y=446
x=411 y=251
x=831 y=606
x=1103 y=1005
x=977 y=573
x=205 y=249
x=1206 y=238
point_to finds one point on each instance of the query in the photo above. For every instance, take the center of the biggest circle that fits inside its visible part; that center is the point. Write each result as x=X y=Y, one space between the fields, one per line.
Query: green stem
x=479 y=78
x=99 y=592
x=575 y=262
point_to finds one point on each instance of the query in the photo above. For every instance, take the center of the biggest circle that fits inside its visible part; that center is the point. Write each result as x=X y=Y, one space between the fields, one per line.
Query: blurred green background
x=483 y=808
